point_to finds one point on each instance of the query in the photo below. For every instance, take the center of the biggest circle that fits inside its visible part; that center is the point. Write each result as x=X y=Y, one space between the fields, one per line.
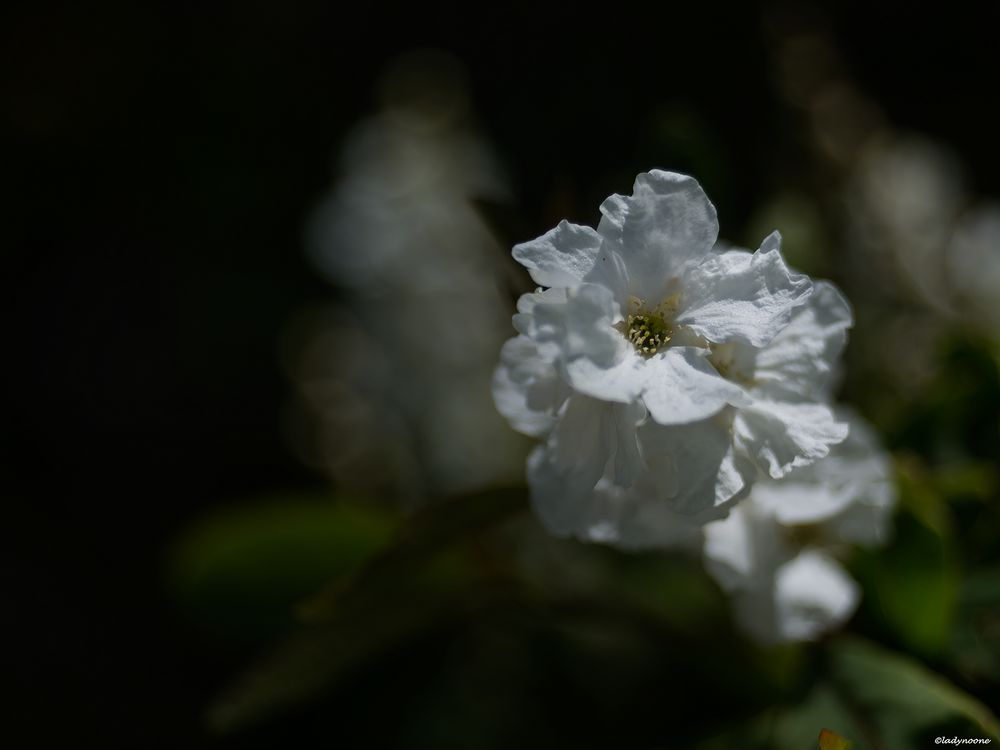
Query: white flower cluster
x=775 y=553
x=665 y=376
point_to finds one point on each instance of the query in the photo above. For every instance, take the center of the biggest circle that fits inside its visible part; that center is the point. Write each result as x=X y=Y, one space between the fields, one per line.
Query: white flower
x=774 y=553
x=663 y=374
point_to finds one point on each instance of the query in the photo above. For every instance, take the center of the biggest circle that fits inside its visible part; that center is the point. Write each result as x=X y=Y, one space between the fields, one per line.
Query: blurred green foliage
x=243 y=568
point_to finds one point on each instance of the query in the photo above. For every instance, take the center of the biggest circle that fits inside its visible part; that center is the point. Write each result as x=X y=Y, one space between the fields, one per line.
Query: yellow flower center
x=647 y=332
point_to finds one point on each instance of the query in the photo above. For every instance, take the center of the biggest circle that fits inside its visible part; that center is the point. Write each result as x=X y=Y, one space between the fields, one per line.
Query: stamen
x=646 y=332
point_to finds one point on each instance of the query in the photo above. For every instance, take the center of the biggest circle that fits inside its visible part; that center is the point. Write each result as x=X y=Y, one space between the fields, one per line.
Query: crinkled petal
x=812 y=595
x=582 y=326
x=779 y=436
x=563 y=471
x=524 y=320
x=610 y=271
x=796 y=502
x=680 y=386
x=741 y=296
x=527 y=388
x=676 y=385
x=590 y=439
x=643 y=521
x=633 y=518
x=527 y=359
x=562 y=256
x=694 y=467
x=801 y=361
x=512 y=402
x=860 y=467
x=621 y=382
x=666 y=224
x=850 y=489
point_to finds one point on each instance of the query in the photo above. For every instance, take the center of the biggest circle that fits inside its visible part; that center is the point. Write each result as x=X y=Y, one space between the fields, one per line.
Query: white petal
x=780 y=436
x=794 y=502
x=645 y=522
x=603 y=512
x=527 y=389
x=527 y=359
x=582 y=326
x=677 y=385
x=591 y=437
x=610 y=271
x=861 y=468
x=628 y=461
x=622 y=381
x=694 y=467
x=801 y=360
x=524 y=321
x=555 y=500
x=680 y=386
x=812 y=595
x=560 y=257
x=741 y=296
x=633 y=518
x=667 y=223
x=562 y=472
x=850 y=490
x=729 y=553
x=743 y=550
x=511 y=401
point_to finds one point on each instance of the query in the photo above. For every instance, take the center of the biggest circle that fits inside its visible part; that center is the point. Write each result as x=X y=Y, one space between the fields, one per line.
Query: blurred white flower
x=663 y=374
x=775 y=553
x=400 y=385
x=902 y=201
x=974 y=265
x=924 y=256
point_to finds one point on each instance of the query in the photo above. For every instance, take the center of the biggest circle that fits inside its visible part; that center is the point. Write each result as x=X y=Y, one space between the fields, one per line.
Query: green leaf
x=427 y=576
x=911 y=586
x=976 y=639
x=796 y=728
x=880 y=699
x=243 y=568
x=420 y=540
x=900 y=696
x=312 y=660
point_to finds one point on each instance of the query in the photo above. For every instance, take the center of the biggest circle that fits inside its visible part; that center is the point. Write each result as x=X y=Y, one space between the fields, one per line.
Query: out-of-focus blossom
x=776 y=553
x=663 y=374
x=902 y=202
x=924 y=256
x=974 y=265
x=400 y=386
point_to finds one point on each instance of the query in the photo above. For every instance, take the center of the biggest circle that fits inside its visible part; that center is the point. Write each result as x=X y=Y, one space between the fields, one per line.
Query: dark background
x=161 y=160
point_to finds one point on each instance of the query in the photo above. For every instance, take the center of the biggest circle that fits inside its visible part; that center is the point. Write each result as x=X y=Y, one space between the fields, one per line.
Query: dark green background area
x=160 y=160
